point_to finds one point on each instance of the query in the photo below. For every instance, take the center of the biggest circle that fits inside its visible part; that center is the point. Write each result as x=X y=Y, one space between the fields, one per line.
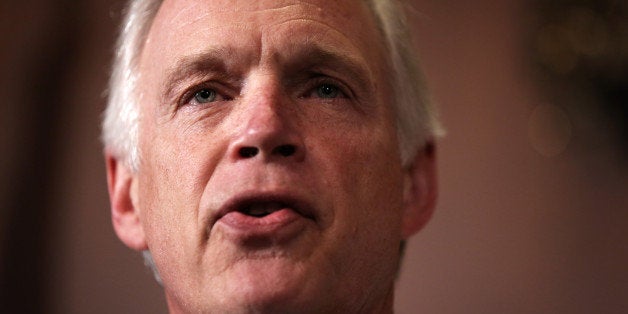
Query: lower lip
x=280 y=225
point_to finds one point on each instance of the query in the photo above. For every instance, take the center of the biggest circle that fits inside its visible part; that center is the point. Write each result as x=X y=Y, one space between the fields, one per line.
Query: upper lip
x=243 y=200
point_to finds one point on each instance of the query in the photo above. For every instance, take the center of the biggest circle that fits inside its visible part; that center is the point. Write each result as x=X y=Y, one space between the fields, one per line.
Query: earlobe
x=122 y=185
x=420 y=191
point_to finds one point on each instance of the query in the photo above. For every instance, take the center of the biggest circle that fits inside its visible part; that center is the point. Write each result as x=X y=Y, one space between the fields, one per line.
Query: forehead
x=176 y=11
x=184 y=27
x=176 y=15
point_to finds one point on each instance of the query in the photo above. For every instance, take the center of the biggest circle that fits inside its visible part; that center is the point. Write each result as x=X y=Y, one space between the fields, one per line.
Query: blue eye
x=327 y=91
x=205 y=95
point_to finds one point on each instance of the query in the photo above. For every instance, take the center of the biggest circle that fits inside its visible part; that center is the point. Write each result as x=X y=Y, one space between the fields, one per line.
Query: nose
x=269 y=133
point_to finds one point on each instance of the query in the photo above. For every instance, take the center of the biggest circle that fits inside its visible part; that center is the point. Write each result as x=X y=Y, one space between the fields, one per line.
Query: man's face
x=270 y=176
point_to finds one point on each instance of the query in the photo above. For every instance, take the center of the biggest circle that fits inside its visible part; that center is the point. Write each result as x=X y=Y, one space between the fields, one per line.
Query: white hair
x=417 y=121
x=416 y=117
x=121 y=118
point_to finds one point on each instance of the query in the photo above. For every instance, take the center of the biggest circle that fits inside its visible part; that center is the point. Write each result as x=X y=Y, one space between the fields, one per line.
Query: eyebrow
x=295 y=65
x=313 y=56
x=214 y=61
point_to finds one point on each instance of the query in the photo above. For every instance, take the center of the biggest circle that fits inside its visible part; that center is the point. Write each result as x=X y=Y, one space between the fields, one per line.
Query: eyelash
x=188 y=98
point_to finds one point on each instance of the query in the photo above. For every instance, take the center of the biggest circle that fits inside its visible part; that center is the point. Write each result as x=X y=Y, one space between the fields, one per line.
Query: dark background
x=533 y=208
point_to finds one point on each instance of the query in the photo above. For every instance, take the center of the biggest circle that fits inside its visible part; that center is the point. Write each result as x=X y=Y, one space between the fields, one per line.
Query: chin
x=273 y=285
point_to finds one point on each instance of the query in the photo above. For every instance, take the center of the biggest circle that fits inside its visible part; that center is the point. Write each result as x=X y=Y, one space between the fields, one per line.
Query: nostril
x=285 y=150
x=248 y=152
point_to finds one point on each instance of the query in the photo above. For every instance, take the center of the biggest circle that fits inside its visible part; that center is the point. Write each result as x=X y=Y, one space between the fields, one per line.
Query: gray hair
x=120 y=127
x=416 y=117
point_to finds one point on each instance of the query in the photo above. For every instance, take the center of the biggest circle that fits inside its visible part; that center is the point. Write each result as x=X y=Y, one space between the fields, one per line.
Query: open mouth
x=262 y=217
x=264 y=214
x=261 y=209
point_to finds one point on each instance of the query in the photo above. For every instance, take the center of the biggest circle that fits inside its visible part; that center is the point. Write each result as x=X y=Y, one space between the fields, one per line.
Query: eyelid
x=187 y=97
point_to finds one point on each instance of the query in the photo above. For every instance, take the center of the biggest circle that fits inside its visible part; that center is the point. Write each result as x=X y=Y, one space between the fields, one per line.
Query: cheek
x=175 y=167
x=364 y=182
x=174 y=172
x=365 y=170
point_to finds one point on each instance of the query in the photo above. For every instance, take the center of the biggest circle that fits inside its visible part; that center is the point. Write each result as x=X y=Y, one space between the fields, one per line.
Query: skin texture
x=303 y=85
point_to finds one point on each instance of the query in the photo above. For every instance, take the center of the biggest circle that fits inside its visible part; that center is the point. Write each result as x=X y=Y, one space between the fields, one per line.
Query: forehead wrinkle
x=230 y=9
x=187 y=21
x=244 y=25
x=327 y=27
x=279 y=8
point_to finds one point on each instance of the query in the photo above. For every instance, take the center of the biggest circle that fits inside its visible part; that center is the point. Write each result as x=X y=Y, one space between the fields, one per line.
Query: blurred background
x=533 y=208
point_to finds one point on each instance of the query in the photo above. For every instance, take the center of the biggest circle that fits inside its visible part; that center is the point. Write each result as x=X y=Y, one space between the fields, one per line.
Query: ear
x=122 y=184
x=420 y=191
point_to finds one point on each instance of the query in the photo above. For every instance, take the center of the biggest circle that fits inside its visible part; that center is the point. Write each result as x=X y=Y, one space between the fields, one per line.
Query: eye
x=327 y=91
x=205 y=95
